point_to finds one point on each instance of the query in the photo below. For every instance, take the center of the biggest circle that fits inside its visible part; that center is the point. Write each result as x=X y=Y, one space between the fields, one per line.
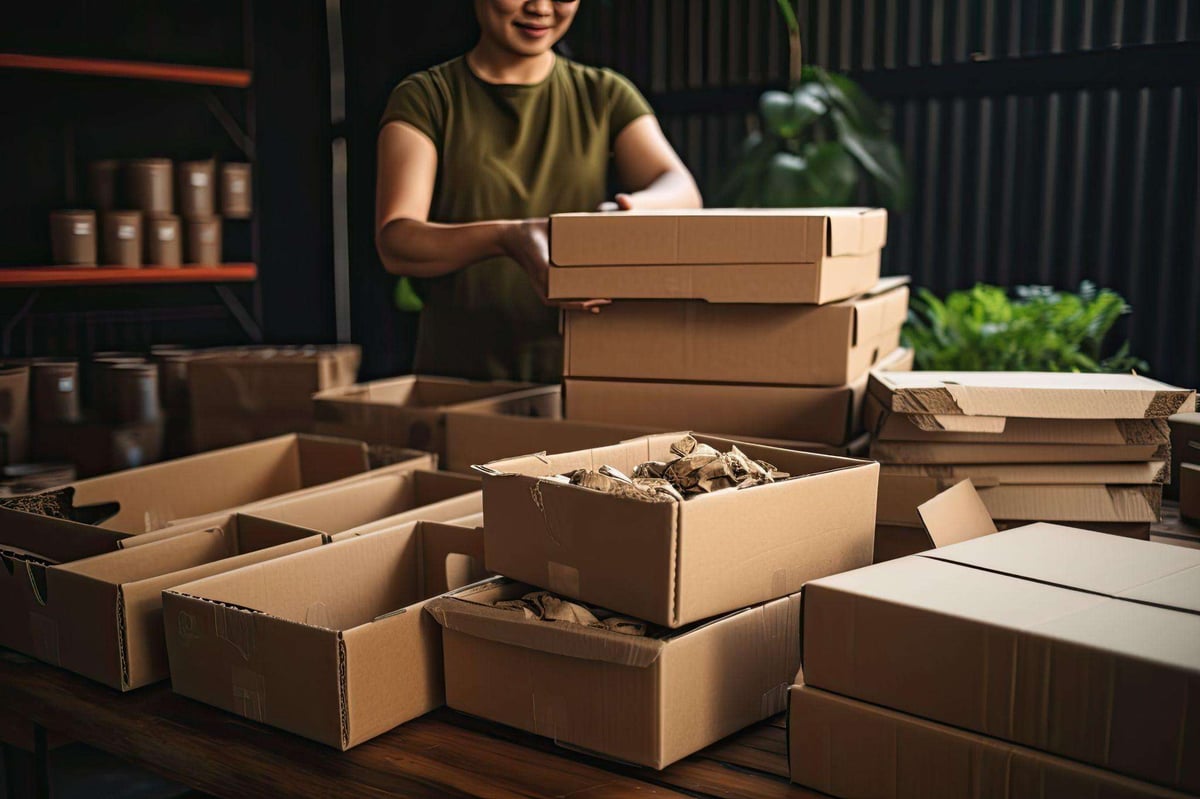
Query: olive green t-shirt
x=507 y=152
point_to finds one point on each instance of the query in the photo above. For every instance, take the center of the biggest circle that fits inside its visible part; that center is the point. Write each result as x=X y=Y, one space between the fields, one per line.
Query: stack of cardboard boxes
x=757 y=324
x=1085 y=449
x=1039 y=661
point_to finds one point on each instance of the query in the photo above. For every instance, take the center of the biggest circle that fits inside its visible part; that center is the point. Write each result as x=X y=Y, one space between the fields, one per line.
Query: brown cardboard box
x=1077 y=644
x=644 y=700
x=933 y=452
x=888 y=426
x=97 y=448
x=803 y=345
x=897 y=541
x=673 y=563
x=1031 y=395
x=990 y=474
x=331 y=644
x=1189 y=492
x=408 y=411
x=257 y=392
x=1185 y=446
x=843 y=747
x=810 y=255
x=14 y=413
x=828 y=415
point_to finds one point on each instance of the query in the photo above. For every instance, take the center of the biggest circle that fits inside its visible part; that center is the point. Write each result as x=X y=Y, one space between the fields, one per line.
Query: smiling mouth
x=532 y=28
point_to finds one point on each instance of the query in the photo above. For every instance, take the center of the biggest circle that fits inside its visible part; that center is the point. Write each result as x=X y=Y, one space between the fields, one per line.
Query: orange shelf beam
x=45 y=276
x=137 y=70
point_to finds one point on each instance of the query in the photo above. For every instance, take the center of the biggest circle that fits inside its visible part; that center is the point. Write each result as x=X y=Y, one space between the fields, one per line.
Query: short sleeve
x=625 y=103
x=415 y=102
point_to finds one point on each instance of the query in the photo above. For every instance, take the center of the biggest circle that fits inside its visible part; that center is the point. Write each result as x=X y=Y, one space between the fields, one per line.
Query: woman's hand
x=527 y=242
x=622 y=202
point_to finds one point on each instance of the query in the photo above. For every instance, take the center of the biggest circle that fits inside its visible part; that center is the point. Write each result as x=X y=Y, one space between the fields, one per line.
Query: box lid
x=1043 y=395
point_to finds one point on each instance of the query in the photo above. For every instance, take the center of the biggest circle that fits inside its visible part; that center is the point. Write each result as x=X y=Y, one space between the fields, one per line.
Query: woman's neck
x=497 y=65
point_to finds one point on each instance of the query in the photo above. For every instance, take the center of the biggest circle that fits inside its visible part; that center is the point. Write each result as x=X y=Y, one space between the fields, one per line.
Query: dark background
x=1049 y=142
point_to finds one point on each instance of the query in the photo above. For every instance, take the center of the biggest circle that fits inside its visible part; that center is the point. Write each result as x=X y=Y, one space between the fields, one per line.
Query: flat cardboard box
x=673 y=563
x=1185 y=445
x=14 y=414
x=644 y=700
x=843 y=747
x=990 y=474
x=933 y=452
x=802 y=345
x=897 y=541
x=889 y=426
x=96 y=448
x=822 y=414
x=809 y=255
x=102 y=616
x=1189 y=492
x=408 y=411
x=330 y=644
x=1081 y=645
x=1031 y=395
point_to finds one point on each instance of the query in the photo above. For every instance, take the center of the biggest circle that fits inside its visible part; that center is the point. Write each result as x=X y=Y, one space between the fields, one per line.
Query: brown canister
x=102 y=184
x=197 y=188
x=73 y=238
x=101 y=386
x=55 y=390
x=236 y=200
x=148 y=185
x=134 y=392
x=164 y=241
x=122 y=238
x=204 y=241
x=173 y=377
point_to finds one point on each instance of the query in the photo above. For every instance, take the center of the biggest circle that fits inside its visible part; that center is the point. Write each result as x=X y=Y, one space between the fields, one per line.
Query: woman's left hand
x=622 y=202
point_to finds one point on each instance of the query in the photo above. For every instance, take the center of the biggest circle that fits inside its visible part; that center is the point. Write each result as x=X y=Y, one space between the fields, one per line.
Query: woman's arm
x=647 y=164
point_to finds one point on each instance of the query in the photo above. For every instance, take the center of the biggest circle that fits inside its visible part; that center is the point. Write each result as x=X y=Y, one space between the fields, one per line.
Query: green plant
x=1041 y=330
x=816 y=143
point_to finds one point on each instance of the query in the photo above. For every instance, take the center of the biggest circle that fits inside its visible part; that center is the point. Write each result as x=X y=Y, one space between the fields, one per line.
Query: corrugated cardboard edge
x=343 y=692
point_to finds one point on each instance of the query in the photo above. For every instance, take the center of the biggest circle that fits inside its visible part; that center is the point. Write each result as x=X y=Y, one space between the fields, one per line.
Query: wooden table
x=443 y=754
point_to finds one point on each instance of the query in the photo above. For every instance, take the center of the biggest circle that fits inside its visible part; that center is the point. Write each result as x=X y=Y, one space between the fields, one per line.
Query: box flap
x=880 y=311
x=855 y=230
x=58 y=540
x=469 y=611
x=956 y=515
x=1043 y=395
x=324 y=459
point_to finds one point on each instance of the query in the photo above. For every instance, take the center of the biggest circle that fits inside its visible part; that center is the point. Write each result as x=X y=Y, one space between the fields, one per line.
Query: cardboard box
x=643 y=700
x=96 y=448
x=1030 y=395
x=803 y=345
x=330 y=644
x=258 y=392
x=984 y=475
x=797 y=413
x=1185 y=445
x=14 y=414
x=843 y=747
x=897 y=541
x=888 y=426
x=408 y=411
x=932 y=452
x=802 y=255
x=675 y=563
x=1081 y=645
x=1189 y=492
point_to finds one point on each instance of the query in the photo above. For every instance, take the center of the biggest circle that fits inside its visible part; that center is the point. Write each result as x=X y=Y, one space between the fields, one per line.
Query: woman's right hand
x=527 y=242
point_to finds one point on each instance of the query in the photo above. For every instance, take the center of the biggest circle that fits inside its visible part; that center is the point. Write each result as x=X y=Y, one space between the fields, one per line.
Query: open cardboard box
x=645 y=700
x=844 y=747
x=330 y=644
x=1082 y=645
x=410 y=411
x=673 y=563
x=694 y=341
x=828 y=415
x=799 y=255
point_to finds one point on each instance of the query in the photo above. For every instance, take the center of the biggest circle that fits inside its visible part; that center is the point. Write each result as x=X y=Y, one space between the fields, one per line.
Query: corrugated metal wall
x=1049 y=141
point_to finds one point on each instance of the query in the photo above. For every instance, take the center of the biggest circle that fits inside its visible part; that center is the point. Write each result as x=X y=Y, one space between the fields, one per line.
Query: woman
x=475 y=153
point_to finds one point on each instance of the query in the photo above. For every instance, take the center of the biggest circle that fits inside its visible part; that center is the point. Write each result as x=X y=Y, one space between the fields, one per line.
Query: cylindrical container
x=122 y=238
x=73 y=237
x=134 y=392
x=55 y=390
x=197 y=188
x=148 y=185
x=102 y=184
x=101 y=386
x=173 y=378
x=164 y=241
x=204 y=241
x=236 y=200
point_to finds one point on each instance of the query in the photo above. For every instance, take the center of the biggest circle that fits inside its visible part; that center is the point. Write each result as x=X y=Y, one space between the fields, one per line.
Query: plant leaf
x=832 y=175
x=880 y=158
